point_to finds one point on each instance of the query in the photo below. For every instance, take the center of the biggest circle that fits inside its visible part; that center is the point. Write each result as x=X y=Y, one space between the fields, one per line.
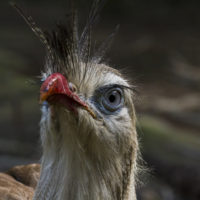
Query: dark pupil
x=112 y=98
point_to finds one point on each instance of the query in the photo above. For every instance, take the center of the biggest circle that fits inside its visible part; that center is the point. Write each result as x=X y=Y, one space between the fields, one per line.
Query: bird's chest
x=78 y=180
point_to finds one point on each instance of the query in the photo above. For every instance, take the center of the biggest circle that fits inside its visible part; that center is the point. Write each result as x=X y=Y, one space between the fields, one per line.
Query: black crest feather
x=64 y=44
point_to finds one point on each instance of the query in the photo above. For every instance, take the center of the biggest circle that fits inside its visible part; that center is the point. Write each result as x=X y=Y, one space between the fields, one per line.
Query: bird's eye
x=108 y=99
x=112 y=99
x=72 y=87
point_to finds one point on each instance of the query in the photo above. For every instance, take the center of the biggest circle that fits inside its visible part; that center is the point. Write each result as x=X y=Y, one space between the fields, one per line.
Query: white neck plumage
x=75 y=177
x=70 y=171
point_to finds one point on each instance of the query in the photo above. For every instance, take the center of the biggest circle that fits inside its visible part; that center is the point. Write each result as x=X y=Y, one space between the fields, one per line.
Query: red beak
x=55 y=90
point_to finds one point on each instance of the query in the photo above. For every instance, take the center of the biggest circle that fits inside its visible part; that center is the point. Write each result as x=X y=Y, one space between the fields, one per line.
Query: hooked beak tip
x=90 y=111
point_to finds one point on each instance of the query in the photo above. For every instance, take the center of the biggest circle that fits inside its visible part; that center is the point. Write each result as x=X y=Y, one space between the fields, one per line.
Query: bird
x=88 y=123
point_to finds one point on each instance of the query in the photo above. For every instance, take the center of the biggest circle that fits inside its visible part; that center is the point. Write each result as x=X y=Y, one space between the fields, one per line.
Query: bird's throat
x=74 y=177
x=70 y=171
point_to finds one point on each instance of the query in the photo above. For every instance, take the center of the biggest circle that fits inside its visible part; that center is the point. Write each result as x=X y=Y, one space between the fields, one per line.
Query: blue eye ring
x=112 y=99
x=108 y=99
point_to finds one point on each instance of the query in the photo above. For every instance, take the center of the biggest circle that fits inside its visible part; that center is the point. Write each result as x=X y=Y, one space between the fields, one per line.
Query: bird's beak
x=55 y=89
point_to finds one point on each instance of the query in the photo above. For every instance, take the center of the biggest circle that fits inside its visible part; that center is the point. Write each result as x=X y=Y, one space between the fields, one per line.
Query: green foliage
x=163 y=140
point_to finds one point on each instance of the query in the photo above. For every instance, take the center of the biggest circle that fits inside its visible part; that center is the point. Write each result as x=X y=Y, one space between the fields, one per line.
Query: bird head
x=86 y=105
x=90 y=108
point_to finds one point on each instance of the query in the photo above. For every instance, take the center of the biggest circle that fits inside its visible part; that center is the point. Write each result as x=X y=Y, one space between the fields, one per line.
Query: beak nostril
x=72 y=87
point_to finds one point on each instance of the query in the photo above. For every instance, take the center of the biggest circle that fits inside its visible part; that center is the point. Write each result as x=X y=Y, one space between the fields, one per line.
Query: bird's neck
x=81 y=167
x=77 y=176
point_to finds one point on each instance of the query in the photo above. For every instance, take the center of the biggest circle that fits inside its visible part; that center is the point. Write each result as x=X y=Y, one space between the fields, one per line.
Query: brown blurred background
x=157 y=47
